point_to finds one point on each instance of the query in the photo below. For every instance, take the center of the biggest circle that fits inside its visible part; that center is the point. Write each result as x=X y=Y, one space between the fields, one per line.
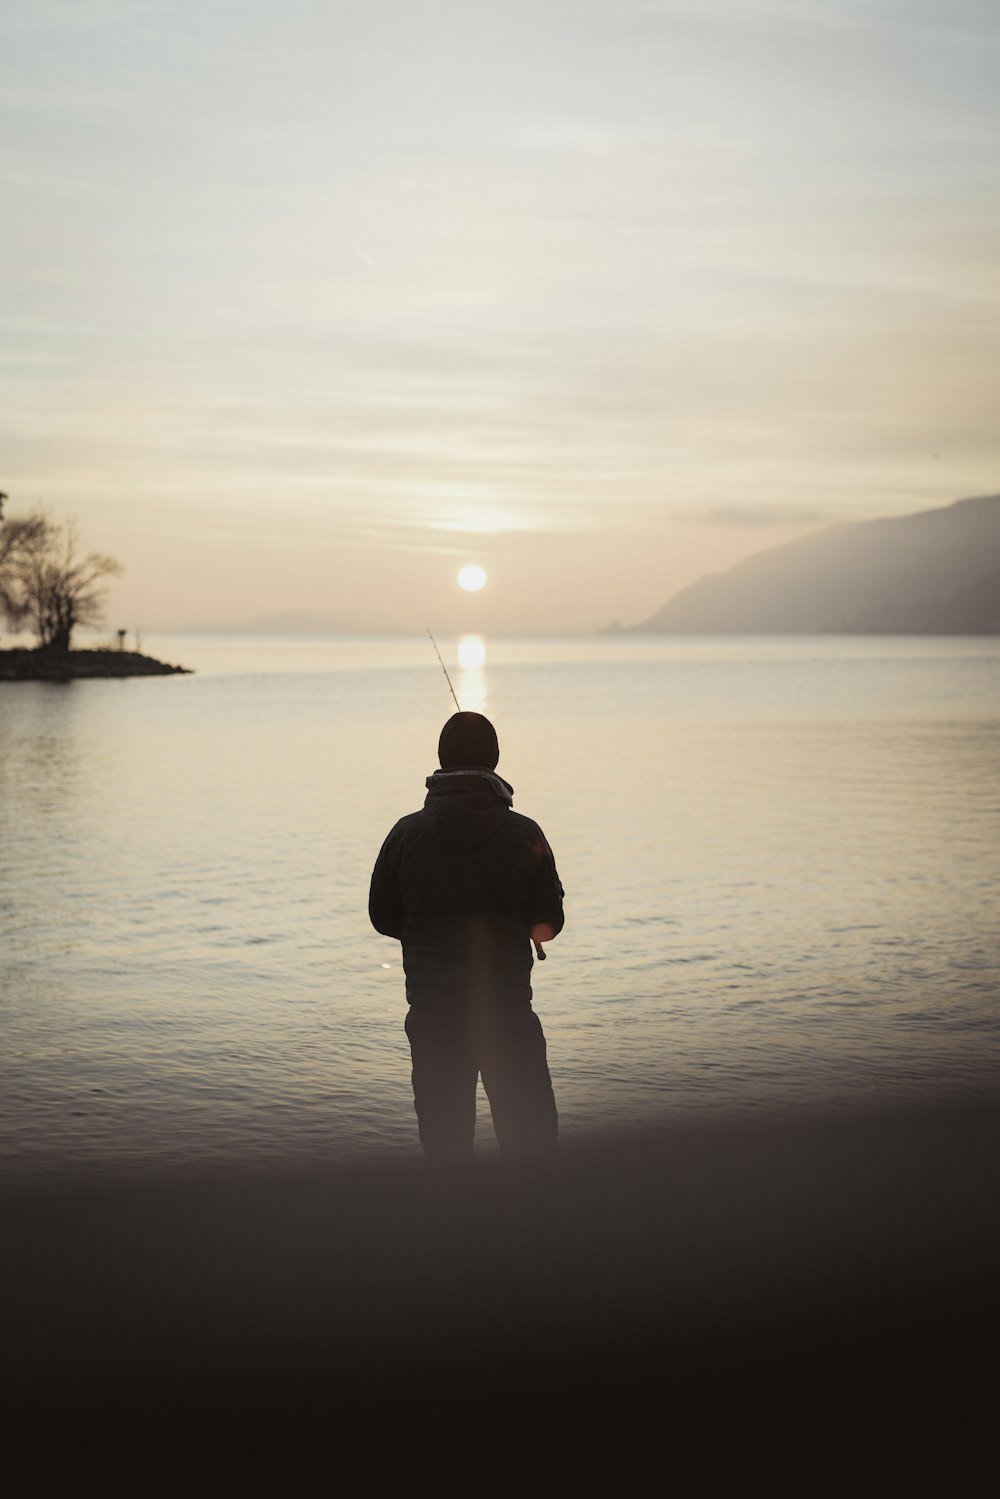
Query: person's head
x=468 y=739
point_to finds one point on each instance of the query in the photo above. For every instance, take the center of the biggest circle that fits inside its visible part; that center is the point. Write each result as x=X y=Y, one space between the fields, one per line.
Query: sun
x=471 y=577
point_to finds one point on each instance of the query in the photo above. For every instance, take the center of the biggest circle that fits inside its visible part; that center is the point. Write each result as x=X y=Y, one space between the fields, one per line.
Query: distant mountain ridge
x=936 y=572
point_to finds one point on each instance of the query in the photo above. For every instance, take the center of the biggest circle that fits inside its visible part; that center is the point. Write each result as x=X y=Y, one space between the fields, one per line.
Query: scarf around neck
x=498 y=785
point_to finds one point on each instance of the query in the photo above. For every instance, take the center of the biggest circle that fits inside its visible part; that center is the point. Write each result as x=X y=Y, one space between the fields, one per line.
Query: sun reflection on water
x=472 y=692
x=471 y=651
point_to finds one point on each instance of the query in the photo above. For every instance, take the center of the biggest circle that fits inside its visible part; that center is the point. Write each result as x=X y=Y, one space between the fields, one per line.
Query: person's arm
x=545 y=895
x=385 y=900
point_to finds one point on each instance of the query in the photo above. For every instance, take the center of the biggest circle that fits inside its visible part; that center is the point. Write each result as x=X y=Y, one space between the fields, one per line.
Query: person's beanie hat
x=468 y=739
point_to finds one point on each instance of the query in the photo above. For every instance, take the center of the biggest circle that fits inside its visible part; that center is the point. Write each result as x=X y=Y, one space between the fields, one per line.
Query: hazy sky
x=305 y=303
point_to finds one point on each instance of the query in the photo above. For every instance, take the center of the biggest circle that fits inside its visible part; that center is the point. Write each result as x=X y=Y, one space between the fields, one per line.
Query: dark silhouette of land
x=812 y=1303
x=933 y=573
x=44 y=664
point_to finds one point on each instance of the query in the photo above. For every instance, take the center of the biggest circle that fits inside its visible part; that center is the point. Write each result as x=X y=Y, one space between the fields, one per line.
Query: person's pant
x=450 y=1050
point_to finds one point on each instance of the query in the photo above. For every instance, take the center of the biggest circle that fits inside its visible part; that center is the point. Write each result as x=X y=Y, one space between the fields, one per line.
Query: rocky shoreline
x=22 y=665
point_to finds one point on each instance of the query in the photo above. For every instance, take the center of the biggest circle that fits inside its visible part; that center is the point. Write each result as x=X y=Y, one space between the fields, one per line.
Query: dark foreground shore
x=805 y=1306
x=67 y=666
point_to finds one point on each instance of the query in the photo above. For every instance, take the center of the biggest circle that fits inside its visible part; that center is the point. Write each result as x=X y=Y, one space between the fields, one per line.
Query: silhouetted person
x=467 y=885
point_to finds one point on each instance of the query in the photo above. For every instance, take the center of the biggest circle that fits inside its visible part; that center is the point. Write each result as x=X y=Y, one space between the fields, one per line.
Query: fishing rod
x=540 y=953
x=445 y=670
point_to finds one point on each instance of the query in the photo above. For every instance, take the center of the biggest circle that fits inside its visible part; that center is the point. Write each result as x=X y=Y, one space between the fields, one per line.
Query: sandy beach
x=710 y=1299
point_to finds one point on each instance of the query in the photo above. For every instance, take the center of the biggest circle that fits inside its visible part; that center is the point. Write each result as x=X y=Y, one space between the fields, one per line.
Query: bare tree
x=56 y=586
x=19 y=537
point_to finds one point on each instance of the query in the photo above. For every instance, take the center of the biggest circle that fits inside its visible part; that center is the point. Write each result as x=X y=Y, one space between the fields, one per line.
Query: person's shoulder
x=525 y=828
x=412 y=823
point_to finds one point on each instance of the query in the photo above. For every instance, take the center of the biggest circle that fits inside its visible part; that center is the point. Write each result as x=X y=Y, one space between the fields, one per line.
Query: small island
x=47 y=665
x=49 y=584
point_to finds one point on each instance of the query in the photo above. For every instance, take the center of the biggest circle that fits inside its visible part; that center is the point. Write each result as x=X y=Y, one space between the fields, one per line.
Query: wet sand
x=723 y=1303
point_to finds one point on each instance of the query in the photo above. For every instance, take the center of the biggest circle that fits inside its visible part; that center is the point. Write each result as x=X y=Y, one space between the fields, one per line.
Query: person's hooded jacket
x=461 y=883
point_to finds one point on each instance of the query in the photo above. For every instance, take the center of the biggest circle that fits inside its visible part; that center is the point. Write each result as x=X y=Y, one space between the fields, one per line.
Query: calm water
x=781 y=860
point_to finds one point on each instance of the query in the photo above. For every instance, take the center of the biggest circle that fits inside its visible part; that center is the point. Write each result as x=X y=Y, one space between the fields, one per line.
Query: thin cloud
x=763 y=517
